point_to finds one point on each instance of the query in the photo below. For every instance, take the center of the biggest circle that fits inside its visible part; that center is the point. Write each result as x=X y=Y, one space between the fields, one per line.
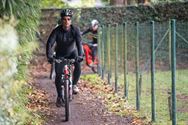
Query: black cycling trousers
x=94 y=52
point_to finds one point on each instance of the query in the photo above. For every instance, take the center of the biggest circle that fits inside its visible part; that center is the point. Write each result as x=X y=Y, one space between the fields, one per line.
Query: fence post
x=140 y=84
x=173 y=69
x=170 y=103
x=102 y=50
x=169 y=42
x=169 y=51
x=153 y=71
x=99 y=51
x=137 y=68
x=116 y=59
x=109 y=54
x=125 y=61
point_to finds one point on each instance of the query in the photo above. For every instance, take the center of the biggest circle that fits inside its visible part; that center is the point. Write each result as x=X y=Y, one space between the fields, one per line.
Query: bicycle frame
x=66 y=79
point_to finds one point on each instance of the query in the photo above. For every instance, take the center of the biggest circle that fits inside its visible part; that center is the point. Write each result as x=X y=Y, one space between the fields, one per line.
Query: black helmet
x=66 y=12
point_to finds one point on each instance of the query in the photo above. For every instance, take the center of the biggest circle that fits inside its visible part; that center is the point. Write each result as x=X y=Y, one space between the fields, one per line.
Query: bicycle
x=67 y=89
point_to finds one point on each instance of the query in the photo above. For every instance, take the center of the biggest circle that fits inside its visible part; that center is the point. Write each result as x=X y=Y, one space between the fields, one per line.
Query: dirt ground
x=86 y=108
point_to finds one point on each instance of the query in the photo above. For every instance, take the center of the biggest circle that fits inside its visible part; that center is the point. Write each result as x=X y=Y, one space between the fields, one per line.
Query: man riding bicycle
x=68 y=45
x=94 y=30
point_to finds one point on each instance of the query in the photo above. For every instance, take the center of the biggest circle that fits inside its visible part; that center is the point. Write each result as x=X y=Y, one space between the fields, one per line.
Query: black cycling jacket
x=67 y=42
x=93 y=32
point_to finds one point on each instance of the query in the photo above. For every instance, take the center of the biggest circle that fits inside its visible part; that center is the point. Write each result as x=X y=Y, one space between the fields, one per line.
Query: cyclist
x=94 y=30
x=68 y=45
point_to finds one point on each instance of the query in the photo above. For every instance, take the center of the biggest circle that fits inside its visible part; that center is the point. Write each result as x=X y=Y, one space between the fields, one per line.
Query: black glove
x=50 y=60
x=79 y=58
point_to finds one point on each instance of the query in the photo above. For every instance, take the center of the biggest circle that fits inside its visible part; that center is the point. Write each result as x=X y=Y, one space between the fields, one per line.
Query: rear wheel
x=66 y=99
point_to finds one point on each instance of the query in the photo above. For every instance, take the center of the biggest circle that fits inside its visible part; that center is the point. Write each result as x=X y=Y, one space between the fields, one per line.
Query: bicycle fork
x=67 y=76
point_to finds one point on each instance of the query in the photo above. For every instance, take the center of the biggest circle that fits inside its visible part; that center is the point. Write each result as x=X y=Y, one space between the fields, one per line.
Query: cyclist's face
x=66 y=21
x=95 y=28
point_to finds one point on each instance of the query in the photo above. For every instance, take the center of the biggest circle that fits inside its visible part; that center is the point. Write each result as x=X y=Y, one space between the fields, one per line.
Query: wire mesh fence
x=146 y=80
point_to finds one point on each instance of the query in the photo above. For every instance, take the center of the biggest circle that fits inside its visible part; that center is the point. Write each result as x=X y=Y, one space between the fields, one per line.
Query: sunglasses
x=66 y=19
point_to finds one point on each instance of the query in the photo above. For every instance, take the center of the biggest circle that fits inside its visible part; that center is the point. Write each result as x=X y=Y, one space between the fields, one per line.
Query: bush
x=18 y=19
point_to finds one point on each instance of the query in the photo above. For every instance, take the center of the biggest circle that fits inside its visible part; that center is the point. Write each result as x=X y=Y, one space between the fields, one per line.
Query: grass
x=114 y=103
x=162 y=90
x=26 y=115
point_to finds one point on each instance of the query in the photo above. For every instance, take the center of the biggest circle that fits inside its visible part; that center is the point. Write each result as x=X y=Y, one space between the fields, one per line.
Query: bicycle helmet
x=94 y=23
x=66 y=12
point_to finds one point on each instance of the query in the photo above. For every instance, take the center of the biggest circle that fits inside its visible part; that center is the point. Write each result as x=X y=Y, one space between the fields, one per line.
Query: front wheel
x=66 y=99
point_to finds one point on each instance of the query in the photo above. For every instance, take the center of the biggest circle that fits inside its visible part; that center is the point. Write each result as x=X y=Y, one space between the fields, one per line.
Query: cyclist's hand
x=50 y=60
x=79 y=58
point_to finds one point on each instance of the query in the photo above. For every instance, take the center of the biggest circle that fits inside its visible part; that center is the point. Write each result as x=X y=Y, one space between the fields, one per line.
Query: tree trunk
x=118 y=2
x=132 y=2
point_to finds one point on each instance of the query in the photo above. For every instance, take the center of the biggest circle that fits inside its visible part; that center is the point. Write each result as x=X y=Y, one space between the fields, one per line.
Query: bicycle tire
x=66 y=99
x=70 y=93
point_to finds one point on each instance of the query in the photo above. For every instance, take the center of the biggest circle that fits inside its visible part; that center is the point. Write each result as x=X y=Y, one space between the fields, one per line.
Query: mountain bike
x=66 y=79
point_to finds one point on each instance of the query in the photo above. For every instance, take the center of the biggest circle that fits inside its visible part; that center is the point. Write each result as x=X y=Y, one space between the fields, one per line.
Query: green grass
x=114 y=103
x=162 y=87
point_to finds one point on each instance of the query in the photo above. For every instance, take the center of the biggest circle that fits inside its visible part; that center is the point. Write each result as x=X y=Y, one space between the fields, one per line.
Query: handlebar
x=64 y=60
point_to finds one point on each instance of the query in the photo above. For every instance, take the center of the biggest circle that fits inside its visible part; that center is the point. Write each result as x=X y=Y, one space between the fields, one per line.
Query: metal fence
x=148 y=64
